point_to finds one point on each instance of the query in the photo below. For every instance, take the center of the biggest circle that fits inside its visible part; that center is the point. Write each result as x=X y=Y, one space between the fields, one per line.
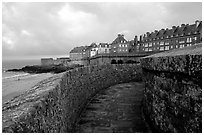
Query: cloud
x=36 y=29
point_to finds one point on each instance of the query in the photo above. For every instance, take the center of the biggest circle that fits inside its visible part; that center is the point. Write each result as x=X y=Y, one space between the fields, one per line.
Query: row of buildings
x=159 y=40
x=167 y=39
x=119 y=45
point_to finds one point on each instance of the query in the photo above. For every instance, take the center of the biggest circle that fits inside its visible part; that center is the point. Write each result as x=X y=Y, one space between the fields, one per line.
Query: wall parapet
x=173 y=90
x=54 y=104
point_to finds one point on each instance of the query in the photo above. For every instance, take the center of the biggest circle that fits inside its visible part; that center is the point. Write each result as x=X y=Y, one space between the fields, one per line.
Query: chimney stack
x=197 y=23
x=173 y=27
x=156 y=31
x=135 y=40
x=140 y=38
x=182 y=25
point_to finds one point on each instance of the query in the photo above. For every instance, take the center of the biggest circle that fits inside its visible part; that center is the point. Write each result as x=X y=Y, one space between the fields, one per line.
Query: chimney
x=147 y=34
x=135 y=40
x=119 y=35
x=182 y=25
x=197 y=23
x=140 y=38
x=156 y=31
x=173 y=27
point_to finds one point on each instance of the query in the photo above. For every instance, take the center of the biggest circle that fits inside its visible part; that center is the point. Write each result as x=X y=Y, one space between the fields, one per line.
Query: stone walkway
x=114 y=110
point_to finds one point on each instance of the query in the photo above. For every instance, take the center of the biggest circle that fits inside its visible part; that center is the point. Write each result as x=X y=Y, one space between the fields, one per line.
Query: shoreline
x=13 y=86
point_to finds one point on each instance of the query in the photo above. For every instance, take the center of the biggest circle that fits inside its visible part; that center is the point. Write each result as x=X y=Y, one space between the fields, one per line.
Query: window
x=195 y=38
x=119 y=45
x=126 y=45
x=150 y=44
x=150 y=49
x=167 y=43
x=181 y=42
x=166 y=47
x=146 y=49
x=161 y=48
x=146 y=45
x=162 y=43
x=181 y=46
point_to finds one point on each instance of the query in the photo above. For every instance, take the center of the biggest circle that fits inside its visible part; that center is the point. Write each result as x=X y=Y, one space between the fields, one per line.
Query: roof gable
x=119 y=39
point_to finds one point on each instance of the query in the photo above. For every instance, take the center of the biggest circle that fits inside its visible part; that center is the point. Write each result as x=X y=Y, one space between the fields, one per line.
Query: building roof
x=119 y=39
x=104 y=45
x=184 y=29
x=79 y=49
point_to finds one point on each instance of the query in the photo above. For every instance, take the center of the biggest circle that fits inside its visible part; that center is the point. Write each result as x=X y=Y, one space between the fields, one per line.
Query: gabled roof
x=119 y=39
x=160 y=33
x=79 y=49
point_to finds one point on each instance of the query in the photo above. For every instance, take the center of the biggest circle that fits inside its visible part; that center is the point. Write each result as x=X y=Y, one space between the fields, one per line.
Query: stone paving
x=115 y=110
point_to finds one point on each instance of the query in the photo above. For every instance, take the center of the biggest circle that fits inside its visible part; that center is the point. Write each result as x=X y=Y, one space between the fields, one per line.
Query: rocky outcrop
x=173 y=90
x=54 y=104
x=45 y=68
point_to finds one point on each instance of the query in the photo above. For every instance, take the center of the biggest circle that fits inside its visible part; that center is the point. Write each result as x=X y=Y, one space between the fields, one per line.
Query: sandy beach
x=14 y=86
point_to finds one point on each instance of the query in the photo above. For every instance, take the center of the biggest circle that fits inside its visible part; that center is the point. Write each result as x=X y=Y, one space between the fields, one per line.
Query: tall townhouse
x=167 y=39
x=94 y=49
x=120 y=45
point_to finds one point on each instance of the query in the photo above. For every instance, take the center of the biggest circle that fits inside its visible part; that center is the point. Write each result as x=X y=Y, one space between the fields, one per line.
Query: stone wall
x=173 y=90
x=54 y=104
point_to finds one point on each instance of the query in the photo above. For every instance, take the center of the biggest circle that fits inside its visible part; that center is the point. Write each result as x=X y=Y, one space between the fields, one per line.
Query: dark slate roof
x=103 y=44
x=119 y=39
x=179 y=30
x=79 y=49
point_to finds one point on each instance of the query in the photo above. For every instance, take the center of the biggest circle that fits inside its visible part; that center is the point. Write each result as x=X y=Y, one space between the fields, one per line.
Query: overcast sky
x=34 y=30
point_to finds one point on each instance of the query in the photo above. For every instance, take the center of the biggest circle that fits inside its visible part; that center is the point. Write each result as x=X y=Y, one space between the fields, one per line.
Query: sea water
x=16 y=64
x=14 y=83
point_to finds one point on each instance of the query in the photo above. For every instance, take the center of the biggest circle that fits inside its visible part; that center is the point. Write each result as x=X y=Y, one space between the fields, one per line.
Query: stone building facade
x=59 y=61
x=167 y=39
x=104 y=48
x=78 y=53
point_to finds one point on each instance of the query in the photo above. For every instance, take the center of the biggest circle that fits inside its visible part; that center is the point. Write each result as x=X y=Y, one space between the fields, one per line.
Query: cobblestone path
x=114 y=110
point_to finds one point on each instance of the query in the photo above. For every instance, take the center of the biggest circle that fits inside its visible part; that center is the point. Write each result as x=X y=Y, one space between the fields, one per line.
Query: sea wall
x=173 y=90
x=54 y=104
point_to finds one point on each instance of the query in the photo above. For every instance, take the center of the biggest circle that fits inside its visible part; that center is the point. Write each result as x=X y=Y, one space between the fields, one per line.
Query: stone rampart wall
x=54 y=104
x=173 y=90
